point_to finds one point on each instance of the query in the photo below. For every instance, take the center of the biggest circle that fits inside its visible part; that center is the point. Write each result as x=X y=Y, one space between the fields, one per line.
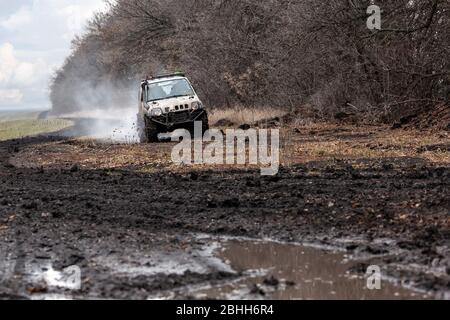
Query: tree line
x=273 y=53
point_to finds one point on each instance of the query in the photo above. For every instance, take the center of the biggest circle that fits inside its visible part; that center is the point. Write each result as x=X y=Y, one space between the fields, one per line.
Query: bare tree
x=278 y=53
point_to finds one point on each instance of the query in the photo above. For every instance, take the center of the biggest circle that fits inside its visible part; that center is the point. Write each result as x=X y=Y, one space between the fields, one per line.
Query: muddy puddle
x=272 y=270
x=284 y=271
x=256 y=269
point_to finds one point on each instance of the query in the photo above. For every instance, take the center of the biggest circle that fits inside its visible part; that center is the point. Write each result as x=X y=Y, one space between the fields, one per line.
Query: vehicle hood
x=171 y=104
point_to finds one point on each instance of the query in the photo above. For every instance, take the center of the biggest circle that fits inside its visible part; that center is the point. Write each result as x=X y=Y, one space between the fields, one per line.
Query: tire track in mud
x=58 y=208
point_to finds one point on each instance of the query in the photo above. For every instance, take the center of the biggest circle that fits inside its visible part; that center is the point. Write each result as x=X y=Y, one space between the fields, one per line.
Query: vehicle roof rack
x=161 y=76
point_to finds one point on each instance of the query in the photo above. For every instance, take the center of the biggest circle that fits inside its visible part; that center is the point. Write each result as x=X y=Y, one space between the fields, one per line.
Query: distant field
x=29 y=127
x=18 y=115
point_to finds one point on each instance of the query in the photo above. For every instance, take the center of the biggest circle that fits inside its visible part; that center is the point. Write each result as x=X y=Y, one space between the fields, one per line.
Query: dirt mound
x=436 y=118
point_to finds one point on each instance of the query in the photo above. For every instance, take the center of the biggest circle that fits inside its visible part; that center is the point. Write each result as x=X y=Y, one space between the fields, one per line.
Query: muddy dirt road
x=139 y=227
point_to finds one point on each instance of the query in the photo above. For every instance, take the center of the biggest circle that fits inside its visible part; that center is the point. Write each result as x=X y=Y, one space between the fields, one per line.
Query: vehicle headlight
x=156 y=112
x=197 y=105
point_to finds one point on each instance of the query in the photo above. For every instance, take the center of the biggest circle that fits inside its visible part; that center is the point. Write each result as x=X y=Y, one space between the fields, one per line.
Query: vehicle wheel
x=151 y=131
x=205 y=122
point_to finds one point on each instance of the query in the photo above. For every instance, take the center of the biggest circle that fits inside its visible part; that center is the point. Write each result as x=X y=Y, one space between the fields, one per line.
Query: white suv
x=167 y=103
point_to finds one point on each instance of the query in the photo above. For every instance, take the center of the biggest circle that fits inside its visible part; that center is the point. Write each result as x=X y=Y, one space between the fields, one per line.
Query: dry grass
x=325 y=142
x=238 y=116
x=300 y=144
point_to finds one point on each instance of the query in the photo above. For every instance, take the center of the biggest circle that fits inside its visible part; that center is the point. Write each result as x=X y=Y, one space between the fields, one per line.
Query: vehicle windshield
x=169 y=89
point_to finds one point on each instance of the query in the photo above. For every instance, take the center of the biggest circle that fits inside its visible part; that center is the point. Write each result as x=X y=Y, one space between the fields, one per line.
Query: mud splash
x=111 y=126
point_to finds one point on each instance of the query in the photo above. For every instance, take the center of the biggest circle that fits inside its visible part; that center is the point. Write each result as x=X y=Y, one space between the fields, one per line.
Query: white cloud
x=25 y=73
x=10 y=96
x=17 y=75
x=18 y=19
x=35 y=38
x=7 y=62
x=16 y=72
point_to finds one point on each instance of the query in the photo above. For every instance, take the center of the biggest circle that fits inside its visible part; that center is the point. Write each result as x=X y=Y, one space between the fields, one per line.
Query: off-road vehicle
x=167 y=103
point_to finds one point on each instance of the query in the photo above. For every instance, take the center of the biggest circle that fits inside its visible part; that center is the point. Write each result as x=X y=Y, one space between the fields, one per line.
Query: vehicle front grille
x=179 y=117
x=182 y=107
x=176 y=117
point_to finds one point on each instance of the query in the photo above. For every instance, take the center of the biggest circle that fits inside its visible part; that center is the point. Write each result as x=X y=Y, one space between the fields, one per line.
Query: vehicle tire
x=205 y=122
x=151 y=131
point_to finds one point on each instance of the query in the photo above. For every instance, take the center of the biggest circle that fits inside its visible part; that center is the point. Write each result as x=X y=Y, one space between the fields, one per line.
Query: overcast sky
x=35 y=37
